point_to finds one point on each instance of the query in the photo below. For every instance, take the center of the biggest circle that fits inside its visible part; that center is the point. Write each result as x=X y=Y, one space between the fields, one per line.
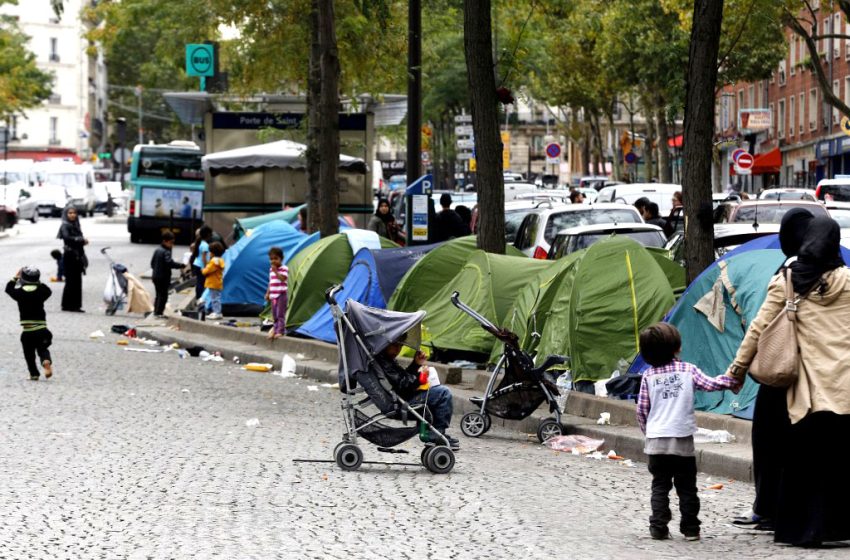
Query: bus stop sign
x=200 y=60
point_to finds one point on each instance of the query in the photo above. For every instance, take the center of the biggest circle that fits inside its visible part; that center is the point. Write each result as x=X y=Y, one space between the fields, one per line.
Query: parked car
x=513 y=177
x=840 y=212
x=515 y=213
x=768 y=211
x=659 y=193
x=539 y=228
x=513 y=190
x=574 y=239
x=837 y=189
x=726 y=238
x=76 y=180
x=397 y=182
x=788 y=194
x=546 y=181
x=597 y=183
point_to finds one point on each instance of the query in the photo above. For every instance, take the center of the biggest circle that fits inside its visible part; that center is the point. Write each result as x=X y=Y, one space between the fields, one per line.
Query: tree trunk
x=597 y=139
x=314 y=89
x=616 y=159
x=700 y=83
x=449 y=152
x=648 y=148
x=664 y=171
x=478 y=49
x=329 y=107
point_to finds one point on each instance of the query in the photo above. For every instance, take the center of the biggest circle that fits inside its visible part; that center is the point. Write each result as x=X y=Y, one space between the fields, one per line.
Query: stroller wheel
x=473 y=424
x=487 y=423
x=349 y=457
x=424 y=455
x=440 y=460
x=549 y=428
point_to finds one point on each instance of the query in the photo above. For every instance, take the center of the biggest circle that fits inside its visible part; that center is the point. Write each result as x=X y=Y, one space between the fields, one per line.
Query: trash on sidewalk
x=252 y=423
x=287 y=366
x=704 y=435
x=236 y=360
x=213 y=358
x=184 y=390
x=579 y=443
x=597 y=455
x=120 y=329
x=565 y=385
x=463 y=364
x=131 y=332
x=256 y=366
x=97 y=334
x=604 y=418
x=123 y=342
x=331 y=385
x=312 y=388
x=717 y=486
x=151 y=350
x=195 y=351
x=283 y=374
x=614 y=457
x=629 y=463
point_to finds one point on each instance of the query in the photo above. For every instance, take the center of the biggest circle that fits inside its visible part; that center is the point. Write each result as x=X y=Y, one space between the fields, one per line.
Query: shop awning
x=768 y=162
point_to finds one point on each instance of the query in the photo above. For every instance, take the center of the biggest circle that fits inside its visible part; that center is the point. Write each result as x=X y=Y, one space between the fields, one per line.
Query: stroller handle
x=483 y=321
x=104 y=250
x=331 y=292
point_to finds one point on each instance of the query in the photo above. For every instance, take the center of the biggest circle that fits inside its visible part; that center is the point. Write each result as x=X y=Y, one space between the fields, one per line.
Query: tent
x=321 y=265
x=592 y=306
x=281 y=154
x=371 y=280
x=674 y=272
x=487 y=283
x=247 y=264
x=290 y=216
x=433 y=271
x=737 y=285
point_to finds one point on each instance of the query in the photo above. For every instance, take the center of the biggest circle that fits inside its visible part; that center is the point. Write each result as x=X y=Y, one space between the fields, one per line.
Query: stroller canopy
x=377 y=329
x=371 y=280
x=318 y=267
x=435 y=270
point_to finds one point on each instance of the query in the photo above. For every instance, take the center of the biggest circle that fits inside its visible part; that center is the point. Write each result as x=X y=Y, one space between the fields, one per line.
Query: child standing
x=277 y=291
x=30 y=294
x=214 y=279
x=665 y=412
x=162 y=264
x=60 y=266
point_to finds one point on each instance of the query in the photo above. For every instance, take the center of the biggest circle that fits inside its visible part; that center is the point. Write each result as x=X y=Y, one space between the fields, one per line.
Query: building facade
x=71 y=123
x=803 y=141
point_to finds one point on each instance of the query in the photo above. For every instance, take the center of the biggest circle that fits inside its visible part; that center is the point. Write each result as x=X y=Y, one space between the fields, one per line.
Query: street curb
x=318 y=361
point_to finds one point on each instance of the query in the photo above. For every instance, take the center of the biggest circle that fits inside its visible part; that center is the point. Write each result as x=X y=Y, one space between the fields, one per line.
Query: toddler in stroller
x=521 y=389
x=368 y=342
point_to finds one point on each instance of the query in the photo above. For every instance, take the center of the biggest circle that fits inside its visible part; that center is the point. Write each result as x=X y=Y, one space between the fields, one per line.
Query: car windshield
x=513 y=218
x=645 y=238
x=67 y=180
x=837 y=193
x=841 y=215
x=793 y=195
x=770 y=214
x=591 y=216
x=10 y=177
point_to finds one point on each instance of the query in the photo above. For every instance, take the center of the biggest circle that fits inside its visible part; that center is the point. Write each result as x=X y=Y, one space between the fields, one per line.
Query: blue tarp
x=371 y=280
x=246 y=272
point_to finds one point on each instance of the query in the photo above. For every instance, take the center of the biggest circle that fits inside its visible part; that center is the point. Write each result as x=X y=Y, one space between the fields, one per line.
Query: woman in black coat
x=74 y=259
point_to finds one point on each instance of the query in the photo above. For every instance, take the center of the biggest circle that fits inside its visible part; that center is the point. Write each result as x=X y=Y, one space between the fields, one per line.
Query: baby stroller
x=521 y=390
x=362 y=333
x=115 y=292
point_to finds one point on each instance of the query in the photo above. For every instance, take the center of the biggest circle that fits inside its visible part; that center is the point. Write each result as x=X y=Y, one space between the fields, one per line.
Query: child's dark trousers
x=669 y=471
x=36 y=343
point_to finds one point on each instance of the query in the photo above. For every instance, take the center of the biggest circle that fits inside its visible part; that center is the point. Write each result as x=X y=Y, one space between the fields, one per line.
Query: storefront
x=799 y=167
x=833 y=157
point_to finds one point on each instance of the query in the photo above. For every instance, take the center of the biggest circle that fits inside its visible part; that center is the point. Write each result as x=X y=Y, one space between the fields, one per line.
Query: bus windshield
x=171 y=164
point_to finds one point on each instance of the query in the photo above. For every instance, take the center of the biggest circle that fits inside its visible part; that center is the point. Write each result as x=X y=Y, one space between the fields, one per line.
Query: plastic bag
x=287 y=366
x=713 y=436
x=565 y=385
x=574 y=444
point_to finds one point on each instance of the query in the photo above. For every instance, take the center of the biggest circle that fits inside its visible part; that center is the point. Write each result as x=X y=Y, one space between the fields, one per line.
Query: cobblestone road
x=143 y=455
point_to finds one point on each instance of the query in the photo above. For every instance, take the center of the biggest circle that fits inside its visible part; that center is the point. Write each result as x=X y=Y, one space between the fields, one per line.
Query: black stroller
x=521 y=390
x=363 y=332
x=115 y=292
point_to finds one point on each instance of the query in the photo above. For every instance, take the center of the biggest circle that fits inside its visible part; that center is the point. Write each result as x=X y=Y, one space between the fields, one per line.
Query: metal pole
x=122 y=133
x=141 y=130
x=414 y=89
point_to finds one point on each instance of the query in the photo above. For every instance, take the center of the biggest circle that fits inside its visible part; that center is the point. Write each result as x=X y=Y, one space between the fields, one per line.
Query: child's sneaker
x=48 y=368
x=214 y=316
x=34 y=377
x=692 y=536
x=659 y=534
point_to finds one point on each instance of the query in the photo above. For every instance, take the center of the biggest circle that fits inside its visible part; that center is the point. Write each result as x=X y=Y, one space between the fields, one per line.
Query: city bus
x=168 y=191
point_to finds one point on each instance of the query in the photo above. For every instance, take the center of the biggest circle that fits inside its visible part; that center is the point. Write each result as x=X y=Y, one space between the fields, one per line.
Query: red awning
x=675 y=142
x=768 y=162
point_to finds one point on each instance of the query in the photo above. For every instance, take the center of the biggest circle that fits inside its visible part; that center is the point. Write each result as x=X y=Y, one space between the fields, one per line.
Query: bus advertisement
x=168 y=191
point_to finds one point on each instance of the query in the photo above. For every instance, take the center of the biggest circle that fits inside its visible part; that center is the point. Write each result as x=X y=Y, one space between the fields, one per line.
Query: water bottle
x=565 y=385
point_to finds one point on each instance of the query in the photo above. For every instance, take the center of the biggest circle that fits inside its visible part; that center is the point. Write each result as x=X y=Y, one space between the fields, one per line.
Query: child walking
x=665 y=412
x=277 y=291
x=30 y=294
x=214 y=279
x=162 y=264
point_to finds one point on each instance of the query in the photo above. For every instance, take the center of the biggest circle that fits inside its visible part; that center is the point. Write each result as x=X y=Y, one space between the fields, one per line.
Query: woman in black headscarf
x=770 y=414
x=383 y=222
x=74 y=259
x=813 y=494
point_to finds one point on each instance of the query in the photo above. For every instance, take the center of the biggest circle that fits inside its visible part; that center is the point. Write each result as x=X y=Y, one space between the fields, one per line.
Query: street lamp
x=121 y=122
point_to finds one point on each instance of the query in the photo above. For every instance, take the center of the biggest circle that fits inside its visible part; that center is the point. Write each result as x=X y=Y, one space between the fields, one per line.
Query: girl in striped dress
x=277 y=291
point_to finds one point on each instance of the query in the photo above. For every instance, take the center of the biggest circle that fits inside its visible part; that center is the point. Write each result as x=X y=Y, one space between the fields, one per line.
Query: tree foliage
x=22 y=84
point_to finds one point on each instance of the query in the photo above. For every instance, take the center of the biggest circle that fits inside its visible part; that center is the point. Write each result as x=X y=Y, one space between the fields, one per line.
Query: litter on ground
x=574 y=443
x=604 y=418
x=312 y=388
x=257 y=366
x=713 y=436
x=97 y=334
x=252 y=423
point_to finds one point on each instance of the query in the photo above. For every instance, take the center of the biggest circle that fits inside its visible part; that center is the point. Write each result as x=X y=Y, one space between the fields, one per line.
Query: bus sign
x=200 y=60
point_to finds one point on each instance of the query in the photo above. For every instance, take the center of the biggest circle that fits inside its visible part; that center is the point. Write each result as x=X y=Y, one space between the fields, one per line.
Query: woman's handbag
x=776 y=359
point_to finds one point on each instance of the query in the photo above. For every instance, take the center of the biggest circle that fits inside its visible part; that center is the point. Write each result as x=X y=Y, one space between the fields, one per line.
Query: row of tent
x=590 y=305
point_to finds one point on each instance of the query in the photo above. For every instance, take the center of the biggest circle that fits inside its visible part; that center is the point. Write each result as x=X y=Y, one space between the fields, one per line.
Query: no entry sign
x=746 y=161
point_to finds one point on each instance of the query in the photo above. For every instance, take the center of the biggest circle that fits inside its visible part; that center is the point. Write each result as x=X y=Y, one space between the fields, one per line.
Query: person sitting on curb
x=407 y=382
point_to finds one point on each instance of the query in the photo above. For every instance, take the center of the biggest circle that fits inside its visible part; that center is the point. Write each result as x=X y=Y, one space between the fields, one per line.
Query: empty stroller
x=521 y=389
x=362 y=333
x=115 y=292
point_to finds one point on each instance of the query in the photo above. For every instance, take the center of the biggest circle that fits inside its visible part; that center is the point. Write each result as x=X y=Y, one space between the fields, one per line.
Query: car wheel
x=34 y=218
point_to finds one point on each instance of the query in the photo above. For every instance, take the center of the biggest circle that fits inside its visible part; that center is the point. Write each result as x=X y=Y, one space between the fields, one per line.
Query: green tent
x=315 y=269
x=433 y=271
x=592 y=306
x=674 y=272
x=487 y=283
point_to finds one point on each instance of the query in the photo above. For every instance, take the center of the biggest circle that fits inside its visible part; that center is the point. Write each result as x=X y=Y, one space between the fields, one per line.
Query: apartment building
x=71 y=123
x=802 y=141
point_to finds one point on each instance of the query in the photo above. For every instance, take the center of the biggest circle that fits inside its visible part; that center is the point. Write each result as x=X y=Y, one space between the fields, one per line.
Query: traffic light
x=104 y=155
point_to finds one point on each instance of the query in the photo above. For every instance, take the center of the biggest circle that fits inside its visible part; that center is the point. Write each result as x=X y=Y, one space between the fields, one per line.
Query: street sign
x=845 y=125
x=200 y=60
x=631 y=157
x=464 y=130
x=122 y=154
x=425 y=156
x=465 y=144
x=463 y=118
x=464 y=156
x=553 y=150
x=745 y=161
x=738 y=153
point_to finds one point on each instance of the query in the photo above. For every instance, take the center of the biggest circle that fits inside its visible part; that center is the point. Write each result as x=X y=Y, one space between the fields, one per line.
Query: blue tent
x=740 y=278
x=306 y=241
x=246 y=272
x=371 y=280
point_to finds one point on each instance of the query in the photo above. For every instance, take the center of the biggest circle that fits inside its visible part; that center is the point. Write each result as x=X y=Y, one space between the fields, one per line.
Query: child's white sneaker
x=214 y=316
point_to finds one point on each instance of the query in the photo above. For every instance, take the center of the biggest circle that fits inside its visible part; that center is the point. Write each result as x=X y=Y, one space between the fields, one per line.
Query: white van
x=76 y=180
x=659 y=193
x=834 y=190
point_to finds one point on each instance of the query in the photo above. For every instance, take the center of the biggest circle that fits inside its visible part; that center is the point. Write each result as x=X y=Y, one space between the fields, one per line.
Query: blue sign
x=422 y=185
x=200 y=60
x=631 y=157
